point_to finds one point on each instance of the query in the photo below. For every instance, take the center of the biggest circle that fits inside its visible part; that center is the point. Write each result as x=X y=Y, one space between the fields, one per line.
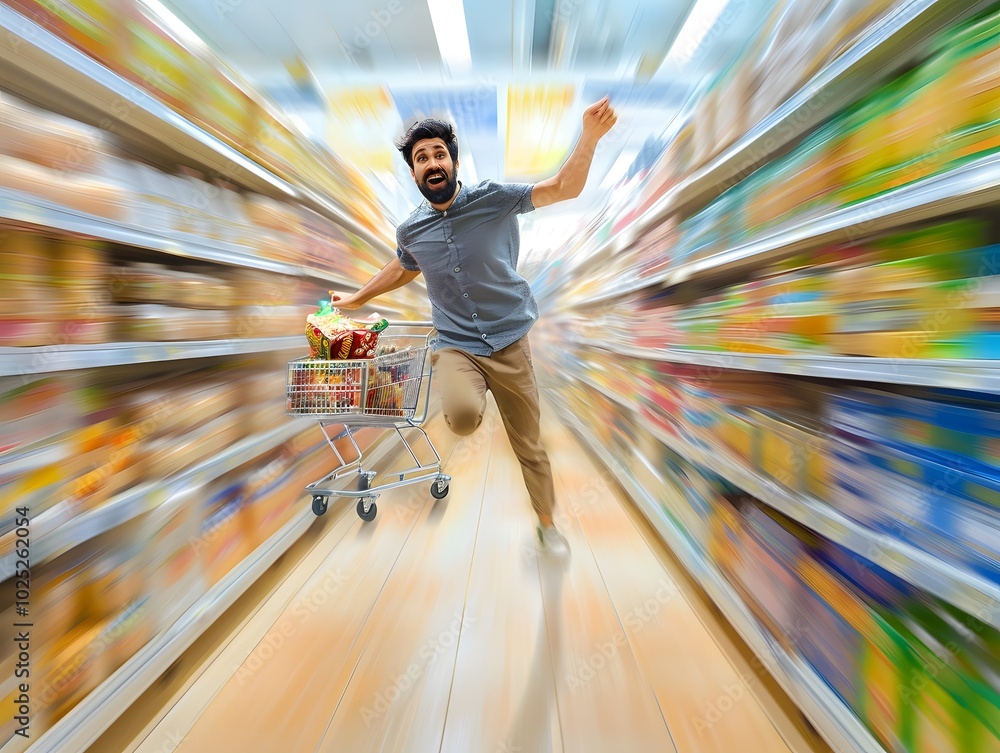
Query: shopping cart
x=380 y=392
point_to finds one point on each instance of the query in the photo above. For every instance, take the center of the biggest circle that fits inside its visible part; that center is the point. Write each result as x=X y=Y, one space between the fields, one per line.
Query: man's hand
x=598 y=119
x=345 y=301
x=569 y=182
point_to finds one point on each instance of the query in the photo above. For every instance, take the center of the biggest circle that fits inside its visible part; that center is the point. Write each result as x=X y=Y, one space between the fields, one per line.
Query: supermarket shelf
x=318 y=203
x=978 y=375
x=959 y=587
x=39 y=65
x=21 y=461
x=23 y=208
x=56 y=530
x=611 y=395
x=964 y=589
x=99 y=710
x=19 y=207
x=838 y=725
x=889 y=46
x=15 y=361
x=971 y=186
x=607 y=392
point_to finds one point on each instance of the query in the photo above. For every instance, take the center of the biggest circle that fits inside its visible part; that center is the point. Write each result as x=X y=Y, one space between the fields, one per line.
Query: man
x=465 y=241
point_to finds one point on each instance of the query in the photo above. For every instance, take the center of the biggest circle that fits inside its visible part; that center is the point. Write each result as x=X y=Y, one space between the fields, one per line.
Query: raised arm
x=569 y=182
x=391 y=276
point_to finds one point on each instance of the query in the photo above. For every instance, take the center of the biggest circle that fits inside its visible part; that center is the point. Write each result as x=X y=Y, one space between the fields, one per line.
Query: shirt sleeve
x=406 y=259
x=514 y=197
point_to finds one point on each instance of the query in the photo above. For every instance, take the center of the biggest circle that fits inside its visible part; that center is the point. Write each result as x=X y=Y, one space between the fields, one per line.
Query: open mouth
x=436 y=180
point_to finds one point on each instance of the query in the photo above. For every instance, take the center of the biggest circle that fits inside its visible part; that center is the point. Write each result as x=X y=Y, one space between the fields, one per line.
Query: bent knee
x=464 y=422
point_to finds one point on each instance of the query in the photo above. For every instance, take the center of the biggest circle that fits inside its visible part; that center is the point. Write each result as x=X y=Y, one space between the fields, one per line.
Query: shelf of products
x=889 y=46
x=892 y=157
x=62 y=175
x=19 y=207
x=83 y=303
x=956 y=584
x=99 y=709
x=88 y=450
x=979 y=375
x=73 y=76
x=45 y=359
x=961 y=588
x=971 y=186
x=913 y=306
x=57 y=530
x=735 y=128
x=827 y=713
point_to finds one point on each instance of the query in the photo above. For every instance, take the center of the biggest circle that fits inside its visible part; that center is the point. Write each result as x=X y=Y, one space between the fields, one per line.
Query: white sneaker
x=551 y=540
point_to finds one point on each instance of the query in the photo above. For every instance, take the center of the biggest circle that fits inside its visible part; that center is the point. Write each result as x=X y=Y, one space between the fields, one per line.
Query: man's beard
x=442 y=193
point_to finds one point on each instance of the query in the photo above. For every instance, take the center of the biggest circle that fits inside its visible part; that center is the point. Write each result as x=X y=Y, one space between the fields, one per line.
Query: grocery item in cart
x=385 y=393
x=316 y=386
x=333 y=336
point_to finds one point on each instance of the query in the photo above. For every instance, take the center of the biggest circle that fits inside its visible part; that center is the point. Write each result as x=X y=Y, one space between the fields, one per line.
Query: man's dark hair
x=428 y=128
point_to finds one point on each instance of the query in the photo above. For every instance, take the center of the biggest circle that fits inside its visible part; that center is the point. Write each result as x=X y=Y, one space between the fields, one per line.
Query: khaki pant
x=463 y=379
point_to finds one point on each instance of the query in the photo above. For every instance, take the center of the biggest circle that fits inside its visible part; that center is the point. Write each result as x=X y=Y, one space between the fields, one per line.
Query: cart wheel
x=439 y=493
x=366 y=516
x=319 y=504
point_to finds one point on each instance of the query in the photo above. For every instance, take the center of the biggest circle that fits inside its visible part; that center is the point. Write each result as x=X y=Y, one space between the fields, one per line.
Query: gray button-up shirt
x=468 y=256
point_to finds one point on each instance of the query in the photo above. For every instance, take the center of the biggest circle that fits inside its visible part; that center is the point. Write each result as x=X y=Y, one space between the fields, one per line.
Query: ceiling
x=354 y=75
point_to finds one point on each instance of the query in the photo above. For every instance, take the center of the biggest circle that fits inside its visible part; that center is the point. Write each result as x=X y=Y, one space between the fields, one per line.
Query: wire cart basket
x=384 y=391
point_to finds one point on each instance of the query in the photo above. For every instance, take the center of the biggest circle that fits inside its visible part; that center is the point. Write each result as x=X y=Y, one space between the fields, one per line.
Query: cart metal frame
x=349 y=399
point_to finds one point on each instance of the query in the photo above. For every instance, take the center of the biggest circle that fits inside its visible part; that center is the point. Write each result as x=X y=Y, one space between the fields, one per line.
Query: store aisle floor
x=438 y=627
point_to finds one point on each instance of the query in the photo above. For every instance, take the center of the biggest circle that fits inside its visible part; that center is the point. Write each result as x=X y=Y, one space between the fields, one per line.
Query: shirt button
x=484 y=337
x=451 y=240
x=465 y=295
x=476 y=316
x=458 y=269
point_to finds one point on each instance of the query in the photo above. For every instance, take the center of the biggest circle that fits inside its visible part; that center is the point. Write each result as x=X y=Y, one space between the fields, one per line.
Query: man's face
x=434 y=172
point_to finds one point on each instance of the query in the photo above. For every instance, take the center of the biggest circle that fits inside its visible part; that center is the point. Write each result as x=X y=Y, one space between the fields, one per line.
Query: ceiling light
x=699 y=22
x=175 y=25
x=448 y=17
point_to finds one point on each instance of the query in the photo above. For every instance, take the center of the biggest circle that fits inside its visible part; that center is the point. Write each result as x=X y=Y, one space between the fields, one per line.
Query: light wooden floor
x=439 y=628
